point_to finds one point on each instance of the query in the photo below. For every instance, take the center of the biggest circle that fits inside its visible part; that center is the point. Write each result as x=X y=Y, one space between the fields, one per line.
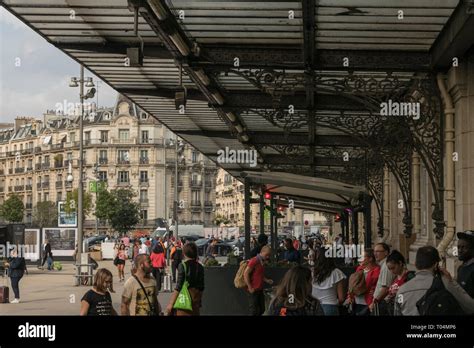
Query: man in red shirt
x=255 y=278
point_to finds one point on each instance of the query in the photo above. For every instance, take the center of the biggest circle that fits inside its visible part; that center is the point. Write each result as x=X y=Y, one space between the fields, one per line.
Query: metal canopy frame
x=292 y=97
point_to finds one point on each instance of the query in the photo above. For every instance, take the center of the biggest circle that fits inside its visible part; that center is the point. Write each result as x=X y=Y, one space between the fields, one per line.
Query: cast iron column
x=247 y=217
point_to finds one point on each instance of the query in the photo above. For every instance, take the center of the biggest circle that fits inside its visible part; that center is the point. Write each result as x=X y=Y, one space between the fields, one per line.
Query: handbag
x=116 y=260
x=184 y=301
x=152 y=311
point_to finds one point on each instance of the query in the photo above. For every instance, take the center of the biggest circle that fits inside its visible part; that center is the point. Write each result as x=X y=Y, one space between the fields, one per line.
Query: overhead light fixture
x=180 y=98
x=158 y=9
x=89 y=82
x=180 y=44
x=90 y=93
x=135 y=56
x=203 y=77
x=231 y=116
x=218 y=97
x=239 y=128
x=73 y=82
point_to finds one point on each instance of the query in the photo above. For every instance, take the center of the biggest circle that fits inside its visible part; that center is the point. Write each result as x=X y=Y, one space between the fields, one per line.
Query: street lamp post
x=90 y=94
x=176 y=187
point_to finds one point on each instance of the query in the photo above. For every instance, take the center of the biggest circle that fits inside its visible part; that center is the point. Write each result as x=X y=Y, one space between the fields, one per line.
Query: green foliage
x=119 y=208
x=103 y=203
x=45 y=214
x=211 y=262
x=219 y=219
x=72 y=200
x=12 y=209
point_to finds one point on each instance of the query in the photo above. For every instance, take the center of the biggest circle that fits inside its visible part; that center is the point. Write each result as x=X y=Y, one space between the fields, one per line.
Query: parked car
x=238 y=242
x=222 y=248
x=191 y=238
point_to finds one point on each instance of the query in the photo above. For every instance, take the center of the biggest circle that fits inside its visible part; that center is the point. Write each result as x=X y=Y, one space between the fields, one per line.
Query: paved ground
x=53 y=292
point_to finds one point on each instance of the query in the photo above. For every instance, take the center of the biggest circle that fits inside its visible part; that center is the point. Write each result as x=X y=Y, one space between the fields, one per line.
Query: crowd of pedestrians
x=316 y=284
x=381 y=284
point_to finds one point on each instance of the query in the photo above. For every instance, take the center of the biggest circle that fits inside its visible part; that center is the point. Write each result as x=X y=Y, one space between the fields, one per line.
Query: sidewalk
x=46 y=292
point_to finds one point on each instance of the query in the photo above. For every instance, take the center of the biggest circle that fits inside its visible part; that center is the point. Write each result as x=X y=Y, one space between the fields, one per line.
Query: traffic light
x=268 y=195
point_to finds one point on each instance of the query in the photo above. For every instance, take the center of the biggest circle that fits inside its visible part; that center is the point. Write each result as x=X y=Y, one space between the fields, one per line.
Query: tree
x=124 y=213
x=103 y=203
x=12 y=209
x=45 y=214
x=72 y=199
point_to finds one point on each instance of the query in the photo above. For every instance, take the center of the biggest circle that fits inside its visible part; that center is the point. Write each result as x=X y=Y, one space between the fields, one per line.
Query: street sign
x=95 y=186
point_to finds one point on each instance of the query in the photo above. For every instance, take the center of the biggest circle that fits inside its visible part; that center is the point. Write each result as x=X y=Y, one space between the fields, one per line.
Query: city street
x=46 y=292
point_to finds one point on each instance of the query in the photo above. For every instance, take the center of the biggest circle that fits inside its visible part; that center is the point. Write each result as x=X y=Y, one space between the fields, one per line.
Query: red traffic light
x=337 y=218
x=268 y=195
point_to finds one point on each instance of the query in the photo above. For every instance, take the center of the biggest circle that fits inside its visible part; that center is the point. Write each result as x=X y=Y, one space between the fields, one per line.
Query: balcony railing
x=45 y=185
x=196 y=183
x=29 y=169
x=19 y=188
x=180 y=183
x=144 y=201
x=59 y=184
x=19 y=170
x=122 y=161
x=46 y=166
x=59 y=164
x=57 y=146
x=38 y=166
x=29 y=206
x=10 y=170
x=151 y=141
x=28 y=187
x=144 y=182
x=144 y=160
x=195 y=203
x=103 y=160
x=123 y=183
x=124 y=141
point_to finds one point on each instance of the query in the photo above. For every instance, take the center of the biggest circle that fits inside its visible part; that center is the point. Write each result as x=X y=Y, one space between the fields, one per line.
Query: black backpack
x=438 y=301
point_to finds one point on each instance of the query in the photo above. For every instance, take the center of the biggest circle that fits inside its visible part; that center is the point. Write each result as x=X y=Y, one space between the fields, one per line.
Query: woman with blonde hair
x=293 y=295
x=98 y=301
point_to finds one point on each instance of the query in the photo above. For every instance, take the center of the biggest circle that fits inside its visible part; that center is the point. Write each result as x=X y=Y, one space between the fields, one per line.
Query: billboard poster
x=65 y=219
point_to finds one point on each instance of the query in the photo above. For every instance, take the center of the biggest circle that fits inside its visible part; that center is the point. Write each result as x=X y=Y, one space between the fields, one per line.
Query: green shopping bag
x=184 y=301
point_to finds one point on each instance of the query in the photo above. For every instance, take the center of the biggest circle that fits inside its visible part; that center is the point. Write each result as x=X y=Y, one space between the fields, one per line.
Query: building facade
x=123 y=146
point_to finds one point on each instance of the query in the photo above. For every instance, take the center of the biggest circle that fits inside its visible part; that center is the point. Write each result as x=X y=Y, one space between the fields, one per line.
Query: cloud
x=7 y=19
x=42 y=79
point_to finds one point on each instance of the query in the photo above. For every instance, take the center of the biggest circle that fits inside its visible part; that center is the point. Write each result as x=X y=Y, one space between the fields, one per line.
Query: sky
x=41 y=79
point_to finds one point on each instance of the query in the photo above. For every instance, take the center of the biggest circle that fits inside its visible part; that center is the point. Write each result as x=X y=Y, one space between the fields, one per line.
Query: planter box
x=222 y=298
x=220 y=295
